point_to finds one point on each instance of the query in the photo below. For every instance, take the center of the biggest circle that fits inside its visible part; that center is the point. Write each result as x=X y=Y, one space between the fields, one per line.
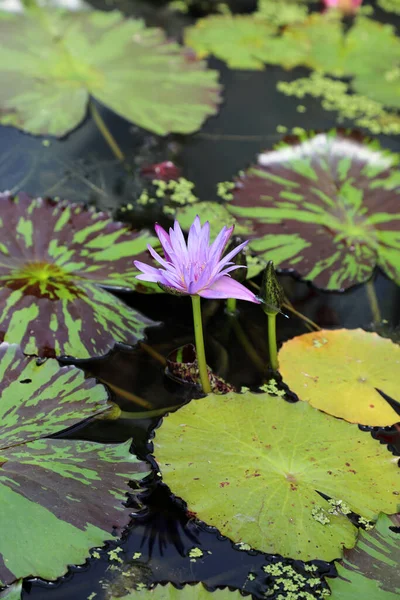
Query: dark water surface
x=81 y=168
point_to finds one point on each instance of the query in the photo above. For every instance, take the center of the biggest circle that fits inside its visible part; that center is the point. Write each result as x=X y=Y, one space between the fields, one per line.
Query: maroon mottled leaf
x=324 y=206
x=55 y=261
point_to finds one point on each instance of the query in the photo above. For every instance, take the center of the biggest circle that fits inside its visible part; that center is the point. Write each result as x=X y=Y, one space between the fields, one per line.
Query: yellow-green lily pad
x=255 y=466
x=341 y=371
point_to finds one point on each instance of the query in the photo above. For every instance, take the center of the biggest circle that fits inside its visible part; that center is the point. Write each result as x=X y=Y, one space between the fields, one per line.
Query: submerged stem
x=198 y=334
x=105 y=132
x=272 y=347
x=231 y=306
x=373 y=301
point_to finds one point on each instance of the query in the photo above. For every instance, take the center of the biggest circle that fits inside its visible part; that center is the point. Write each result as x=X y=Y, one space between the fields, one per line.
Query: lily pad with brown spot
x=341 y=372
x=324 y=206
x=59 y=497
x=57 y=261
x=259 y=469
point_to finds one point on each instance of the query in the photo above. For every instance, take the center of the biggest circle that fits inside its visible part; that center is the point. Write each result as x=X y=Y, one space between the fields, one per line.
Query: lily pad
x=62 y=497
x=55 y=261
x=373 y=56
x=254 y=466
x=13 y=592
x=53 y=60
x=326 y=207
x=241 y=41
x=371 y=570
x=341 y=371
x=188 y=592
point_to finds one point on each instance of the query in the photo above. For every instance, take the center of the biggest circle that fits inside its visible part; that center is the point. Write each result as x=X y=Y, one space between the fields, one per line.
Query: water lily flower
x=196 y=268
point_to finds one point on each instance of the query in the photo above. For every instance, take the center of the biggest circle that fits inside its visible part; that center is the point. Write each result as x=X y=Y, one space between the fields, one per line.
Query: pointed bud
x=271 y=292
x=240 y=259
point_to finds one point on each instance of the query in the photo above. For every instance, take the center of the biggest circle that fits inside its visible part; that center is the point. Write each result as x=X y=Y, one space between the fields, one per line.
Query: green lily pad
x=62 y=497
x=13 y=592
x=254 y=466
x=188 y=592
x=325 y=207
x=373 y=56
x=55 y=261
x=241 y=41
x=371 y=570
x=341 y=371
x=53 y=60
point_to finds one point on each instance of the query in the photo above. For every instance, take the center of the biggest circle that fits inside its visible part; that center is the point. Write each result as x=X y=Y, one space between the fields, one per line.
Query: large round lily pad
x=341 y=371
x=55 y=261
x=371 y=570
x=326 y=207
x=188 y=592
x=59 y=498
x=253 y=465
x=53 y=60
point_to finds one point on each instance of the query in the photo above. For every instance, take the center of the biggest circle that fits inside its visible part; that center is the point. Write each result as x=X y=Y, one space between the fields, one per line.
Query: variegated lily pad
x=326 y=207
x=55 y=261
x=59 y=498
x=53 y=60
x=13 y=592
x=371 y=570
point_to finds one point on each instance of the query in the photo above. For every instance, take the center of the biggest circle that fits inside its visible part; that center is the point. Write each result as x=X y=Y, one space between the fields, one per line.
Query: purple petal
x=231 y=254
x=164 y=240
x=218 y=245
x=194 y=239
x=226 y=287
x=178 y=243
x=148 y=273
x=157 y=257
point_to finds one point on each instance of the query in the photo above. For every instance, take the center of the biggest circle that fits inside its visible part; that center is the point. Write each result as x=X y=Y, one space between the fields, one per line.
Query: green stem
x=273 y=351
x=373 y=301
x=231 y=306
x=106 y=133
x=198 y=334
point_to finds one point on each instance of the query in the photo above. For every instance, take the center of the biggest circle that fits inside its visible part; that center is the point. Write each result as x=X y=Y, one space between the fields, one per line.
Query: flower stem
x=373 y=301
x=106 y=133
x=231 y=306
x=198 y=334
x=273 y=352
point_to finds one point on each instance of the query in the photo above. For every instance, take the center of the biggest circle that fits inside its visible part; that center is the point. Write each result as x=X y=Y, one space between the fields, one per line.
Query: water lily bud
x=240 y=260
x=271 y=292
x=112 y=414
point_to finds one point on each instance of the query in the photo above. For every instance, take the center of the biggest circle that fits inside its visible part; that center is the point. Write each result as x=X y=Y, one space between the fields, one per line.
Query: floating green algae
x=334 y=94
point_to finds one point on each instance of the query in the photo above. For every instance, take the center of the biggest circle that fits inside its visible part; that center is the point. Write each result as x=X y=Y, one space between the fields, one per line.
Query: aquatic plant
x=260 y=469
x=59 y=497
x=370 y=569
x=198 y=269
x=344 y=373
x=324 y=206
x=57 y=261
x=272 y=298
x=53 y=61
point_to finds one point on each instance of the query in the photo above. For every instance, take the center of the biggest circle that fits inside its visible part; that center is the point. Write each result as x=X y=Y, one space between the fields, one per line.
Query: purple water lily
x=196 y=268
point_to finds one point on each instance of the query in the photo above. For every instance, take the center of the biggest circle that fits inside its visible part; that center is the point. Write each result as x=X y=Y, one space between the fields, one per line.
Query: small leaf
x=56 y=258
x=371 y=570
x=53 y=60
x=341 y=373
x=325 y=206
x=59 y=497
x=241 y=41
x=254 y=466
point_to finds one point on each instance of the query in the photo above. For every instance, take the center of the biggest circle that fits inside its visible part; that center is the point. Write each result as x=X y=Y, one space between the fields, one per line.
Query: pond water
x=82 y=169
